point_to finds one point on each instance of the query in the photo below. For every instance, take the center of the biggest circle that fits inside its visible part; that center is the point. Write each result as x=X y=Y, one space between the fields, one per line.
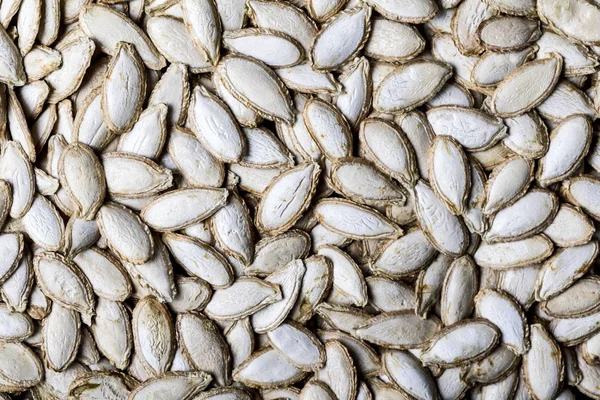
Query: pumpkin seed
x=543 y=367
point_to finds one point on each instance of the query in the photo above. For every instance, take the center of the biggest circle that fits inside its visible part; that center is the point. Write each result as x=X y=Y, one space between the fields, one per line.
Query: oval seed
x=410 y=85
x=543 y=367
x=458 y=290
x=124 y=89
x=181 y=208
x=579 y=300
x=61 y=336
x=106 y=275
x=112 y=332
x=536 y=79
x=82 y=176
x=131 y=176
x=152 y=325
x=274 y=48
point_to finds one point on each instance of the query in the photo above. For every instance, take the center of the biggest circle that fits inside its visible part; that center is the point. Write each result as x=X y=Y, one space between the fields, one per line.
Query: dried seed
x=398 y=330
x=492 y=369
x=124 y=89
x=492 y=67
x=289 y=279
x=577 y=60
x=564 y=267
x=17 y=288
x=445 y=231
x=473 y=129
x=338 y=358
x=514 y=254
x=406 y=371
x=19 y=367
x=564 y=101
x=458 y=290
x=112 y=332
x=508 y=33
x=274 y=48
x=125 y=233
x=204 y=346
x=577 y=24
x=578 y=300
x=132 y=176
x=199 y=259
x=61 y=336
x=354 y=221
x=406 y=255
x=328 y=128
x=507 y=183
x=410 y=85
x=535 y=80
x=106 y=275
x=182 y=385
x=94 y=18
x=64 y=283
x=304 y=79
x=543 y=367
x=294 y=188
x=341 y=38
x=272 y=253
x=267 y=368
x=389 y=148
x=256 y=294
x=263 y=93
x=215 y=126
x=504 y=312
x=409 y=11
x=314 y=390
x=315 y=285
x=569 y=143
x=523 y=219
x=298 y=345
x=240 y=338
x=181 y=208
x=464 y=342
x=12 y=72
x=204 y=25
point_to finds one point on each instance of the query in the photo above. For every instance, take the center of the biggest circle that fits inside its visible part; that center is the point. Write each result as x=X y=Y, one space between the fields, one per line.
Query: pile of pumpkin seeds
x=303 y=199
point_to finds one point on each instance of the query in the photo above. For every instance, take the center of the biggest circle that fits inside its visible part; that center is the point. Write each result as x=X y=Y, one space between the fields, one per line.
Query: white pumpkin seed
x=124 y=89
x=267 y=368
x=445 y=231
x=409 y=11
x=458 y=290
x=204 y=25
x=514 y=254
x=341 y=38
x=182 y=385
x=543 y=367
x=507 y=183
x=61 y=336
x=410 y=85
x=398 y=330
x=181 y=208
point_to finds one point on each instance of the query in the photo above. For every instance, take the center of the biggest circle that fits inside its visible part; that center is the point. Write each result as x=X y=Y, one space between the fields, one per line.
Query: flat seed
x=125 y=233
x=12 y=71
x=267 y=368
x=64 y=283
x=507 y=183
x=199 y=259
x=393 y=41
x=493 y=67
x=473 y=129
x=298 y=345
x=264 y=93
x=445 y=231
x=181 y=208
x=410 y=85
x=44 y=225
x=578 y=24
x=406 y=255
x=514 y=254
x=564 y=267
x=272 y=253
x=328 y=128
x=398 y=330
x=316 y=283
x=503 y=311
x=215 y=126
x=20 y=366
x=16 y=170
x=543 y=365
x=151 y=324
x=389 y=148
x=520 y=220
x=578 y=300
x=492 y=369
x=60 y=337
x=338 y=358
x=256 y=294
x=569 y=143
x=508 y=33
x=94 y=19
x=131 y=176
x=204 y=346
x=564 y=101
x=458 y=290
x=341 y=38
x=464 y=342
x=112 y=332
x=289 y=279
x=410 y=11
x=294 y=188
x=354 y=221
x=468 y=17
x=304 y=79
x=406 y=371
x=274 y=48
x=172 y=384
x=537 y=78
x=17 y=288
x=355 y=96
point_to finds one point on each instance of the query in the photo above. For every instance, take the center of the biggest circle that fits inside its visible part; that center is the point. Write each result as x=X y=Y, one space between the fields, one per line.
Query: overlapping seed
x=305 y=199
